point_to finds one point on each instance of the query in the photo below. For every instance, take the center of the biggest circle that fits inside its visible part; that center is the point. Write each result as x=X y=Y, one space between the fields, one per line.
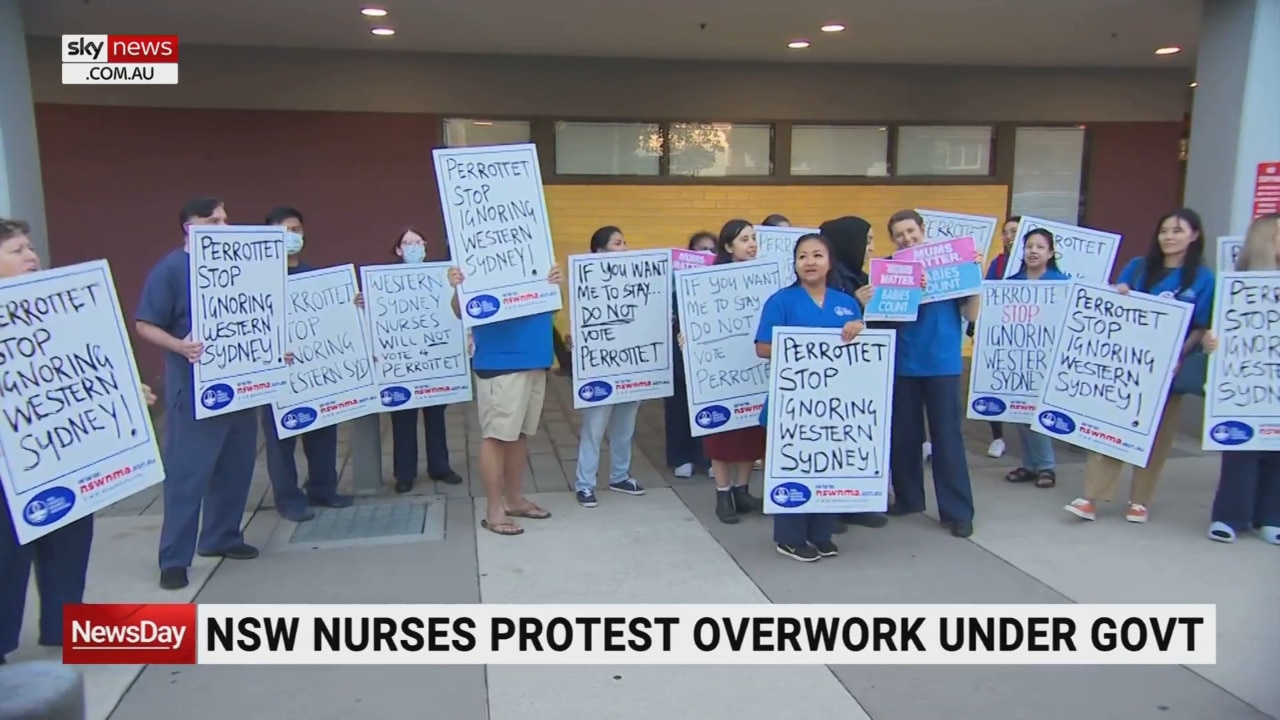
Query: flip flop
x=505 y=528
x=532 y=512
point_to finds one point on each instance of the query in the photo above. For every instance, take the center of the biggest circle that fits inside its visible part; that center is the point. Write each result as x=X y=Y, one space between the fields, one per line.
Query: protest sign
x=719 y=310
x=780 y=243
x=685 y=259
x=495 y=216
x=1082 y=253
x=1017 y=331
x=952 y=226
x=951 y=267
x=1228 y=251
x=331 y=378
x=419 y=346
x=1111 y=371
x=238 y=276
x=828 y=424
x=621 y=327
x=1242 y=394
x=77 y=434
x=897 y=291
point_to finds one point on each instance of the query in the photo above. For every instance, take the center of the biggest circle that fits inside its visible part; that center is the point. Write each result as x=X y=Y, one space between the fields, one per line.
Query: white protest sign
x=1228 y=251
x=238 y=276
x=77 y=434
x=719 y=311
x=1111 y=371
x=1242 y=392
x=1083 y=253
x=940 y=225
x=495 y=216
x=780 y=243
x=621 y=327
x=419 y=347
x=828 y=422
x=331 y=378
x=1017 y=330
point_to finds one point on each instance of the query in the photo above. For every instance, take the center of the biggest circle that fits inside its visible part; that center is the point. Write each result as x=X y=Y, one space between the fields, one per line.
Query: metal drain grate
x=362 y=522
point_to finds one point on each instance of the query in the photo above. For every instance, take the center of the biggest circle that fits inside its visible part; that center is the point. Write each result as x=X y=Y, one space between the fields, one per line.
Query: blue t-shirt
x=793 y=307
x=523 y=343
x=1049 y=274
x=166 y=303
x=1200 y=294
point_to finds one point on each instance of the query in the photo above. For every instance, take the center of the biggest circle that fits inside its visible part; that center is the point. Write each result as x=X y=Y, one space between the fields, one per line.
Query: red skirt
x=735 y=446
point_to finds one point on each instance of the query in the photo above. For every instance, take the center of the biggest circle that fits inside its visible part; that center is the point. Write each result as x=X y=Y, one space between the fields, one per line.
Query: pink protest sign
x=897 y=290
x=685 y=259
x=951 y=266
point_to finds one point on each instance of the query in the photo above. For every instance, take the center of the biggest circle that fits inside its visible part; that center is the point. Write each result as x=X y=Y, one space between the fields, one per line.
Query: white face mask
x=293 y=242
x=413 y=253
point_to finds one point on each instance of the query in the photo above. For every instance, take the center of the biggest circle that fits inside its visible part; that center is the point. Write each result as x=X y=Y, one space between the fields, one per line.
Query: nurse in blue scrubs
x=811 y=301
x=208 y=463
x=61 y=558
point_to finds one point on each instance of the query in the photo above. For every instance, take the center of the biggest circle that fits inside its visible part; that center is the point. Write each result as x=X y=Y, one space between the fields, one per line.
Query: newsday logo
x=119 y=59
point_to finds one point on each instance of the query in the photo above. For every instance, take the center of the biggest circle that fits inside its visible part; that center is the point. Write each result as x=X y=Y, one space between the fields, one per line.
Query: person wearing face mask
x=411 y=247
x=60 y=558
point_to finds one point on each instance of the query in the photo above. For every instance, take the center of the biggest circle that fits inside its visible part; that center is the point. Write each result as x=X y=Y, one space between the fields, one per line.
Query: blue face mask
x=292 y=242
x=414 y=253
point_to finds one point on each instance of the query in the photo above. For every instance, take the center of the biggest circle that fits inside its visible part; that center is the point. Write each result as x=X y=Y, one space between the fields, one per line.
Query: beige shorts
x=511 y=405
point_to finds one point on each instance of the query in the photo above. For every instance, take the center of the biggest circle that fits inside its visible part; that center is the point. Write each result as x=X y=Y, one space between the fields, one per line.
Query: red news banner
x=120 y=59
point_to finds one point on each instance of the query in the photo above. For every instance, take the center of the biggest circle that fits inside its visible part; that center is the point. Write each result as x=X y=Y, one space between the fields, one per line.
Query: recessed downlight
x=373 y=12
x=798 y=44
x=1169 y=50
x=1194 y=84
x=833 y=27
x=383 y=31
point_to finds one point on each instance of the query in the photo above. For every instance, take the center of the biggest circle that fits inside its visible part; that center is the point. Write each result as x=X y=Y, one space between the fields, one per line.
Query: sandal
x=1046 y=479
x=1020 y=475
x=533 y=512
x=504 y=528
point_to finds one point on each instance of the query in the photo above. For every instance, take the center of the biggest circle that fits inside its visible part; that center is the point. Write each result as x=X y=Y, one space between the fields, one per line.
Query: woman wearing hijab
x=851 y=238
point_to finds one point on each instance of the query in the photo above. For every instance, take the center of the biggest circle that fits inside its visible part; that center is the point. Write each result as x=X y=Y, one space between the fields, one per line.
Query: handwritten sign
x=419 y=346
x=780 y=243
x=238 y=277
x=828 y=424
x=1083 y=253
x=621 y=327
x=1242 y=395
x=1111 y=371
x=331 y=378
x=1017 y=331
x=1228 y=251
x=719 y=313
x=685 y=259
x=897 y=291
x=951 y=268
x=495 y=216
x=76 y=435
x=952 y=226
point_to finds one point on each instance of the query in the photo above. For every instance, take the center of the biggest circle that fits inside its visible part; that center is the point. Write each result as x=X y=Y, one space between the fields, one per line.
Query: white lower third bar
x=119 y=74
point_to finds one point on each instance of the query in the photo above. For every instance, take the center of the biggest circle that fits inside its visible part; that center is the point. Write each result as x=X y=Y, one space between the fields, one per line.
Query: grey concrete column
x=41 y=691
x=366 y=454
x=21 y=187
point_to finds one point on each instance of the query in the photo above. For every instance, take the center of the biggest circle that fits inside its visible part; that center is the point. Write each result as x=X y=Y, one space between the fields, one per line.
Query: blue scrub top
x=1049 y=274
x=930 y=346
x=166 y=303
x=792 y=307
x=1200 y=294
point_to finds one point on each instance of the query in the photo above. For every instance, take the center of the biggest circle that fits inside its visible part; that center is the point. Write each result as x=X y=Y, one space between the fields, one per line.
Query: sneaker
x=1269 y=533
x=684 y=471
x=827 y=549
x=1082 y=509
x=804 y=553
x=928 y=451
x=1136 y=513
x=627 y=486
x=996 y=449
x=587 y=499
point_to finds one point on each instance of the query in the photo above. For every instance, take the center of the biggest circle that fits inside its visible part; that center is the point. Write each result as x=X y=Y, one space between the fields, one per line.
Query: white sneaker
x=996 y=449
x=928 y=451
x=684 y=471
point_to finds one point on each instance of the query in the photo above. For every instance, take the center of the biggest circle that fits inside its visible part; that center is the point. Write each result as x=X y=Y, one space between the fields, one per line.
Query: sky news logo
x=119 y=59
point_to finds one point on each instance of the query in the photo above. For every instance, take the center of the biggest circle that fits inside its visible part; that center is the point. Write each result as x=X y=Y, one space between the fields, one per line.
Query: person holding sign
x=60 y=558
x=684 y=451
x=208 y=463
x=511 y=359
x=1039 y=262
x=1248 y=493
x=927 y=383
x=1173 y=268
x=811 y=301
x=995 y=271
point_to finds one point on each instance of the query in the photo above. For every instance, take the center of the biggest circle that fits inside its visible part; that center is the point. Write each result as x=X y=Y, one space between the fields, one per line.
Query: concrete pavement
x=667 y=547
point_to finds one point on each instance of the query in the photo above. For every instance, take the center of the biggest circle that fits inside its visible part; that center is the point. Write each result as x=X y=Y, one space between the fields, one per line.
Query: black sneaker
x=627 y=486
x=173 y=578
x=242 y=551
x=804 y=553
x=587 y=499
x=827 y=549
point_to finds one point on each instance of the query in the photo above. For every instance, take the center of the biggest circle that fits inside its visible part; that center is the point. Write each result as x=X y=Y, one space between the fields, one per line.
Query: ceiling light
x=1171 y=50
x=373 y=12
x=483 y=123
x=798 y=44
x=383 y=31
x=1194 y=84
x=833 y=27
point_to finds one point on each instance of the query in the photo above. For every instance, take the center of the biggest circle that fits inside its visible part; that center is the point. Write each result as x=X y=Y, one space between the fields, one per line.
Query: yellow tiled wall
x=666 y=215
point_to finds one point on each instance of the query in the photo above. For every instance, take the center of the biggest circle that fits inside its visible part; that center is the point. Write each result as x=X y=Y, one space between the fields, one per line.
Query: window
x=944 y=151
x=463 y=132
x=585 y=148
x=720 y=149
x=835 y=150
x=1047 y=165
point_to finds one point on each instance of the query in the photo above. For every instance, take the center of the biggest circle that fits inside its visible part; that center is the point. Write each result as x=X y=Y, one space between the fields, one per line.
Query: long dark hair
x=600 y=238
x=728 y=234
x=1154 y=268
x=1053 y=250
x=832 y=279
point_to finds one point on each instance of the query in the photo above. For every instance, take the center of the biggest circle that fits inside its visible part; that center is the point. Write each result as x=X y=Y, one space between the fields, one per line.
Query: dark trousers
x=796 y=530
x=1248 y=490
x=404 y=443
x=682 y=447
x=939 y=399
x=321 y=448
x=61 y=559
x=997 y=431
